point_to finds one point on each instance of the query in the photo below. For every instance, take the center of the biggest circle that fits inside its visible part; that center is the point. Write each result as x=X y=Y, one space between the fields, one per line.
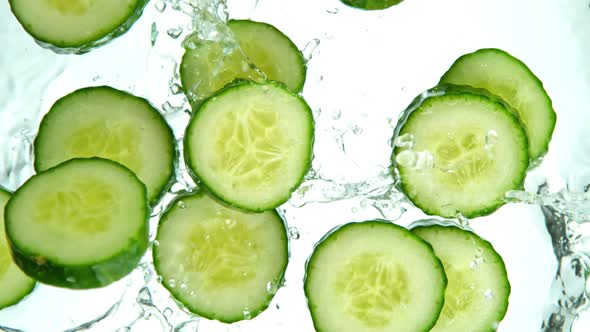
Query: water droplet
x=332 y=11
x=406 y=158
x=147 y=275
x=156 y=243
x=175 y=89
x=491 y=140
x=310 y=49
x=230 y=222
x=160 y=6
x=71 y=280
x=95 y=78
x=167 y=312
x=183 y=285
x=489 y=294
x=272 y=287
x=247 y=314
x=174 y=33
x=294 y=233
x=181 y=204
x=171 y=283
x=154 y=34
x=404 y=141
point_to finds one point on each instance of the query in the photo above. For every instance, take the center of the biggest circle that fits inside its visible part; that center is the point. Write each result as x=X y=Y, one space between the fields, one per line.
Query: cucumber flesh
x=220 y=262
x=504 y=75
x=477 y=295
x=250 y=144
x=478 y=147
x=371 y=4
x=208 y=66
x=75 y=26
x=14 y=284
x=374 y=276
x=81 y=224
x=111 y=124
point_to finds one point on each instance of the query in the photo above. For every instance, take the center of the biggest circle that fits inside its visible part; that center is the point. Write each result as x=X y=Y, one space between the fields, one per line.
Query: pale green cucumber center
x=118 y=142
x=71 y=7
x=85 y=207
x=372 y=288
x=251 y=148
x=226 y=253
x=460 y=295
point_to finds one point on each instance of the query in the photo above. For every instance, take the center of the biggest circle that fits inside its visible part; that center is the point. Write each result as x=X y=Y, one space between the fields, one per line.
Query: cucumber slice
x=112 y=124
x=251 y=144
x=209 y=66
x=271 y=51
x=374 y=276
x=76 y=26
x=507 y=77
x=477 y=295
x=221 y=263
x=82 y=224
x=14 y=284
x=371 y=4
x=478 y=146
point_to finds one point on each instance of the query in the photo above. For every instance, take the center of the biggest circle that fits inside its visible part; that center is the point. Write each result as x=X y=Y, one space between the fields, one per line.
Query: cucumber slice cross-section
x=14 y=283
x=374 y=276
x=477 y=146
x=81 y=224
x=76 y=26
x=251 y=144
x=222 y=263
x=509 y=78
x=478 y=289
x=112 y=124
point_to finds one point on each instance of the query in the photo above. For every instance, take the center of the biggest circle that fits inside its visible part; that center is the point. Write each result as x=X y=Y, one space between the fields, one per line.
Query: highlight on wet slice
x=220 y=262
x=250 y=144
x=82 y=224
x=458 y=150
x=374 y=276
x=76 y=26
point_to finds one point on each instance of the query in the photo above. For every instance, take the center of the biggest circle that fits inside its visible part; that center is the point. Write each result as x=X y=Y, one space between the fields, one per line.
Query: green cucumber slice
x=508 y=77
x=222 y=263
x=82 y=224
x=477 y=295
x=209 y=66
x=15 y=285
x=271 y=51
x=371 y=4
x=76 y=26
x=374 y=276
x=251 y=144
x=111 y=124
x=478 y=147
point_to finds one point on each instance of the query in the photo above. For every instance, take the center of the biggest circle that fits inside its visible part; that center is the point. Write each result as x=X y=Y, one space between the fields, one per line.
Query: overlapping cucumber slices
x=76 y=26
x=460 y=146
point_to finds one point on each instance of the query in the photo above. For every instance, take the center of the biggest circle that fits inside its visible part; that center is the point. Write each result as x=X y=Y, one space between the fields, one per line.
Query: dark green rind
x=122 y=94
x=233 y=24
x=174 y=291
x=445 y=80
x=370 y=223
x=17 y=297
x=93 y=274
x=446 y=89
x=371 y=4
x=86 y=45
x=193 y=171
x=488 y=249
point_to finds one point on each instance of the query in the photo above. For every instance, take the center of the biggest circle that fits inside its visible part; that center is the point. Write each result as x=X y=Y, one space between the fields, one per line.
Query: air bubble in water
x=154 y=34
x=404 y=141
x=160 y=6
x=247 y=314
x=167 y=312
x=174 y=33
x=171 y=283
x=294 y=233
x=181 y=204
x=332 y=11
x=144 y=296
x=310 y=49
x=175 y=89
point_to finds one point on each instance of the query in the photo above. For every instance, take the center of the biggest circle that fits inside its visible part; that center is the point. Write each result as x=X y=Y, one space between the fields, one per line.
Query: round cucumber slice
x=76 y=26
x=374 y=276
x=371 y=4
x=111 y=124
x=14 y=283
x=251 y=144
x=508 y=77
x=476 y=147
x=82 y=224
x=476 y=298
x=209 y=66
x=222 y=263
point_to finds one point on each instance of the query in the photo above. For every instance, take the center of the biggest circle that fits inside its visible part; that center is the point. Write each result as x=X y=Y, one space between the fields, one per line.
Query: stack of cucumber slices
x=104 y=158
